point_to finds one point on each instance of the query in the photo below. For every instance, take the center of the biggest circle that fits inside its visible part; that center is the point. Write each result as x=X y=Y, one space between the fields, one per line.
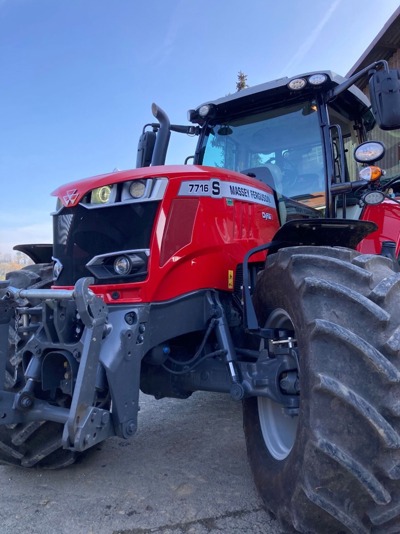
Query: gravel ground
x=184 y=472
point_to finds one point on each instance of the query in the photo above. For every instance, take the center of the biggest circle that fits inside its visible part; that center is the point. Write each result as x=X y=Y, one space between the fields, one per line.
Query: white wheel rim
x=278 y=428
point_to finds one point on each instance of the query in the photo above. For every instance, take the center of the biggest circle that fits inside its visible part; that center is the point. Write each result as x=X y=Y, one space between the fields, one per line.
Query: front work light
x=369 y=152
x=317 y=79
x=297 y=84
x=373 y=197
x=204 y=110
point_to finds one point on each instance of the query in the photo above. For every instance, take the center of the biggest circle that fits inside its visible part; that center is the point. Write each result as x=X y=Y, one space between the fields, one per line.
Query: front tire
x=335 y=467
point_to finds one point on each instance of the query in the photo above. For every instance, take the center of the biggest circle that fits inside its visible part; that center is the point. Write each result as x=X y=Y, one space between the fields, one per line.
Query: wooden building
x=386 y=45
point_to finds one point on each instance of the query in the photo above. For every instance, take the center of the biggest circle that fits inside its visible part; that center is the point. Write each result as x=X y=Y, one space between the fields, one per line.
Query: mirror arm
x=353 y=79
x=189 y=130
x=347 y=187
x=154 y=125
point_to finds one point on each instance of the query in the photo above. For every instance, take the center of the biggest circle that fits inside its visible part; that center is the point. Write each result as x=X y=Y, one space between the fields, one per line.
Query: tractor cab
x=298 y=135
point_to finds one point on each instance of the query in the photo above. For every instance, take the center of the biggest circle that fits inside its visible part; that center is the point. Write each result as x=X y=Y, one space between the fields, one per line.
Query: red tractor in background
x=268 y=270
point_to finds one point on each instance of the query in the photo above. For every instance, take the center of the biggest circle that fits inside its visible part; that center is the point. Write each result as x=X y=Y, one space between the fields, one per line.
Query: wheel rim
x=278 y=429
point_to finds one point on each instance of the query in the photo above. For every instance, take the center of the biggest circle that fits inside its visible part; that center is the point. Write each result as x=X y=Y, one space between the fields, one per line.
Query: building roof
x=383 y=46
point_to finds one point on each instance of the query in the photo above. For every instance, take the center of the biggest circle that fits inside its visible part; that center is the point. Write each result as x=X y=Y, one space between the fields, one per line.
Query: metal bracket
x=121 y=357
x=86 y=425
x=91 y=428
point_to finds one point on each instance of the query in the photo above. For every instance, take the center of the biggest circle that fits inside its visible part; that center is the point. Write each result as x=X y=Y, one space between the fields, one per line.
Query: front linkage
x=79 y=363
x=68 y=328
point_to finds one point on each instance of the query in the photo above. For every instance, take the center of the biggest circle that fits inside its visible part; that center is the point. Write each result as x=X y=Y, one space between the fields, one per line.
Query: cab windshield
x=286 y=140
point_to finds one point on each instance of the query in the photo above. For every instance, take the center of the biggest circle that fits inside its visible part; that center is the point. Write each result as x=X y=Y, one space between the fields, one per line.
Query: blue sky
x=78 y=78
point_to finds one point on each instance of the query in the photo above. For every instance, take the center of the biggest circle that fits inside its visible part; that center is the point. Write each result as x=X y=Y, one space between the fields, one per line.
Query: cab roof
x=269 y=92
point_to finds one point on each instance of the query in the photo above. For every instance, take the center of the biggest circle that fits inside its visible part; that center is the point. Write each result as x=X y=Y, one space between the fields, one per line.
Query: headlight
x=137 y=189
x=122 y=265
x=129 y=265
x=101 y=195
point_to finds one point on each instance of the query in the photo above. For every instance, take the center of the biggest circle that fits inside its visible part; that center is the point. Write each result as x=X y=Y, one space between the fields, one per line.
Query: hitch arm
x=86 y=424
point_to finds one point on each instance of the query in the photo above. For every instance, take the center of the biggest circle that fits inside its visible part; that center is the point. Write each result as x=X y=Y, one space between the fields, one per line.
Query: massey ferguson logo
x=70 y=197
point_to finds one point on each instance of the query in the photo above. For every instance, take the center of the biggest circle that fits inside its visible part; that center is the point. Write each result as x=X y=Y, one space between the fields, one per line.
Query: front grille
x=80 y=234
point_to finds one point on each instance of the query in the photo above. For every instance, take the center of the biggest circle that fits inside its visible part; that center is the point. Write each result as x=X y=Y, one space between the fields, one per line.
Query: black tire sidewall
x=309 y=491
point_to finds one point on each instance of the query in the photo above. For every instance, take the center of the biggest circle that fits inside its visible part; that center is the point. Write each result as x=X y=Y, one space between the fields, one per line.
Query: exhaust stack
x=163 y=135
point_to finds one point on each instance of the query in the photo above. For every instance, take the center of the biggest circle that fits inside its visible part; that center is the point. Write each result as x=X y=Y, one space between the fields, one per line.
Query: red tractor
x=268 y=270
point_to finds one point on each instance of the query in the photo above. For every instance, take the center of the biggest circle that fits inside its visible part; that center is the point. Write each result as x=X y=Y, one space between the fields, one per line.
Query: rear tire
x=36 y=444
x=336 y=468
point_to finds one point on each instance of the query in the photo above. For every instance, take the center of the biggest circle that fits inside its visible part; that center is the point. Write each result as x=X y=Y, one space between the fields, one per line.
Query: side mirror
x=384 y=88
x=145 y=149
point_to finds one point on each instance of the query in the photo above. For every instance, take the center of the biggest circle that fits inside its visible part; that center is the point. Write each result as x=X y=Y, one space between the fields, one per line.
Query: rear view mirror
x=145 y=149
x=384 y=88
